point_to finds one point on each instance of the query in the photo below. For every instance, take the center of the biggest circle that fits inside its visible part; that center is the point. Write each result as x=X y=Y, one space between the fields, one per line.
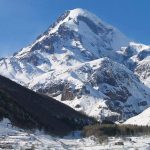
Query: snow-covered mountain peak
x=80 y=12
x=78 y=29
x=81 y=50
x=71 y=18
x=75 y=13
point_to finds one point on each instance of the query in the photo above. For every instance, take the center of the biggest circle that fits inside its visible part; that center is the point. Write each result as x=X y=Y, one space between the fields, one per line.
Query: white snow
x=14 y=138
x=143 y=119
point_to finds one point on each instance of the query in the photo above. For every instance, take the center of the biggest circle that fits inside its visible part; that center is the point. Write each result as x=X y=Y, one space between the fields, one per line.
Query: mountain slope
x=137 y=58
x=101 y=88
x=28 y=109
x=143 y=119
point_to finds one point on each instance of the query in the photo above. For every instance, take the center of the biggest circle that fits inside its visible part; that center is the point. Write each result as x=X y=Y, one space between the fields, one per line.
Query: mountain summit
x=77 y=36
x=82 y=28
x=84 y=63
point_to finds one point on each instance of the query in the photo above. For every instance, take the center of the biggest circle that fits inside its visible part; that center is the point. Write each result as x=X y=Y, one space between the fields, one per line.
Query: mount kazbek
x=87 y=64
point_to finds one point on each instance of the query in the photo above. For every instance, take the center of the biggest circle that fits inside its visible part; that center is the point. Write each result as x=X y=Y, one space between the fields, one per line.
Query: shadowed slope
x=28 y=109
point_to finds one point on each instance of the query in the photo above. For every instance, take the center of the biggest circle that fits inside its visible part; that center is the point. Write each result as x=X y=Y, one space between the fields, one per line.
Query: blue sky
x=21 y=21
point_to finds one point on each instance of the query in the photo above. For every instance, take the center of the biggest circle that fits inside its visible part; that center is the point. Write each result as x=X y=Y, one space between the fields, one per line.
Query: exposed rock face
x=143 y=71
x=67 y=93
x=121 y=94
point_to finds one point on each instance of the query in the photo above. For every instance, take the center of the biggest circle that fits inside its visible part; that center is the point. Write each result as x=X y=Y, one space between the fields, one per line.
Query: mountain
x=77 y=36
x=143 y=119
x=137 y=58
x=27 y=109
x=87 y=64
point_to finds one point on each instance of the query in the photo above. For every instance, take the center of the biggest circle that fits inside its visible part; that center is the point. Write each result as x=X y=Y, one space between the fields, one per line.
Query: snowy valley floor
x=13 y=138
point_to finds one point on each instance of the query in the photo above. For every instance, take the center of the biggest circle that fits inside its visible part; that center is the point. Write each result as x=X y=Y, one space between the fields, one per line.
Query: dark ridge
x=29 y=110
